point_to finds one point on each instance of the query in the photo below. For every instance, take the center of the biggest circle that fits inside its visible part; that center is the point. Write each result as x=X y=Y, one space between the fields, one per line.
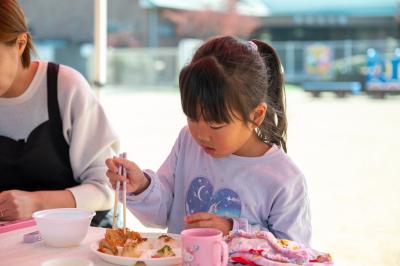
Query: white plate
x=176 y=260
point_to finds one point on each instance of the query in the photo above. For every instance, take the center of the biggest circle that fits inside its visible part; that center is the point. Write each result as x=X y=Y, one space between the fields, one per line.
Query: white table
x=14 y=252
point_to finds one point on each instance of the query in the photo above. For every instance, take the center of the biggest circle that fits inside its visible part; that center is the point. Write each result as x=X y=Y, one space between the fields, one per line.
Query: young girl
x=228 y=169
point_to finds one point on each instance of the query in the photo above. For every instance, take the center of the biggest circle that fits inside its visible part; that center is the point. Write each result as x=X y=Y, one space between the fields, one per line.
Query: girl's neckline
x=30 y=90
x=273 y=149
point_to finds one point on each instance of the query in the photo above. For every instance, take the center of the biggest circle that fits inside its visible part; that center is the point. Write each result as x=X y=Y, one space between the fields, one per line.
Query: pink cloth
x=262 y=248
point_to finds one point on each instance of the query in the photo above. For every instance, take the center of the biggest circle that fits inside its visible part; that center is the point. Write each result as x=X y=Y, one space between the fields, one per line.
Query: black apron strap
x=52 y=101
x=54 y=111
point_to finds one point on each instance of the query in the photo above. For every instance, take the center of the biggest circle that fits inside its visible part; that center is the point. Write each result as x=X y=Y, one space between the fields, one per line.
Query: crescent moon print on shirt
x=200 y=197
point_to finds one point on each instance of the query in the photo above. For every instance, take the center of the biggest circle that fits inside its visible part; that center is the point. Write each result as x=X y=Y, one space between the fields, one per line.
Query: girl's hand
x=136 y=181
x=17 y=204
x=205 y=219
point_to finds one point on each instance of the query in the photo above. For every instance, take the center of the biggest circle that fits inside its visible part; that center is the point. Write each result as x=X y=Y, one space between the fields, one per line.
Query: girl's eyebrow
x=216 y=123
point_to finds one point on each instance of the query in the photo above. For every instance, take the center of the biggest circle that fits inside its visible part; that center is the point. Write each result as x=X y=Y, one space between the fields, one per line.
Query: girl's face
x=220 y=140
x=9 y=63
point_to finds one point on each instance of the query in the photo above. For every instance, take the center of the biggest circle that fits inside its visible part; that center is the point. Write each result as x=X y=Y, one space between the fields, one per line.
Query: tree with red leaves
x=206 y=23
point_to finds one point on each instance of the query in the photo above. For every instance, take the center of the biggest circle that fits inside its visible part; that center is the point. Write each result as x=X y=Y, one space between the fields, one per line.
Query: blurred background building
x=316 y=40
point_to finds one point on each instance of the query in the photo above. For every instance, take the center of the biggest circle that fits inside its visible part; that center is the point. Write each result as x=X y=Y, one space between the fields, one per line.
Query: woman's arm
x=91 y=140
x=55 y=199
x=17 y=204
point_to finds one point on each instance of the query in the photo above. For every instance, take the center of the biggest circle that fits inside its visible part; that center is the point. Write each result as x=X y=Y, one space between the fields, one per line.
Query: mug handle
x=224 y=248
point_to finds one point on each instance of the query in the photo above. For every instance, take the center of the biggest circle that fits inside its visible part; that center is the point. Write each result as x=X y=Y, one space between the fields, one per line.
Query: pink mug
x=203 y=247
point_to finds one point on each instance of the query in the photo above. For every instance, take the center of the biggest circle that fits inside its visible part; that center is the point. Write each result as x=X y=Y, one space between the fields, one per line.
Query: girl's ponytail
x=274 y=127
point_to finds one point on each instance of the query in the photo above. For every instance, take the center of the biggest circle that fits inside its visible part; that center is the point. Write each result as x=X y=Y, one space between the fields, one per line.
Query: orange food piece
x=116 y=238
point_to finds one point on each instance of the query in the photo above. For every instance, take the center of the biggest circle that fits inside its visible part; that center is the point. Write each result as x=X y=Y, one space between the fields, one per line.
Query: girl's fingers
x=114 y=177
x=115 y=162
x=201 y=224
x=124 y=162
x=131 y=168
x=199 y=216
x=111 y=165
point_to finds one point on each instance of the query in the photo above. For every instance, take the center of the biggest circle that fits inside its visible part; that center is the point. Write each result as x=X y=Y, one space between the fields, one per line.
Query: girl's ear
x=259 y=113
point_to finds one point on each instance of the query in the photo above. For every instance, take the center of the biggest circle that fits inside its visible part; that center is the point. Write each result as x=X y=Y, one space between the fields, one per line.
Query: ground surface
x=347 y=148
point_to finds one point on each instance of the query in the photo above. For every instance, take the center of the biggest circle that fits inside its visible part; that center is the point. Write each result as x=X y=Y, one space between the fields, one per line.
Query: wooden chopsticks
x=121 y=171
x=116 y=199
x=124 y=155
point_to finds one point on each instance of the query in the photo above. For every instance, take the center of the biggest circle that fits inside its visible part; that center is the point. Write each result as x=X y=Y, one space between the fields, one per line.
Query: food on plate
x=163 y=240
x=116 y=237
x=107 y=248
x=165 y=251
x=135 y=247
x=132 y=244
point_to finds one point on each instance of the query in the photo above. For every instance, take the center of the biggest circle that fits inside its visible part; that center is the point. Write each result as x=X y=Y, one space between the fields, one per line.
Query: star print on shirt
x=200 y=197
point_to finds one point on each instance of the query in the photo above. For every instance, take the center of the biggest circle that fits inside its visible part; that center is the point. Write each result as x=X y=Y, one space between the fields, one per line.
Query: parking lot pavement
x=348 y=149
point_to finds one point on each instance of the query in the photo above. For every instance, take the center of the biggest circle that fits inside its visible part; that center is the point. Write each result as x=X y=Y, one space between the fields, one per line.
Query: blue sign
x=381 y=76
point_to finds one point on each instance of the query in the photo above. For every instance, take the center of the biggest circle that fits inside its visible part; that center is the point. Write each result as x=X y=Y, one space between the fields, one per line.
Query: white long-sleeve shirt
x=260 y=193
x=85 y=128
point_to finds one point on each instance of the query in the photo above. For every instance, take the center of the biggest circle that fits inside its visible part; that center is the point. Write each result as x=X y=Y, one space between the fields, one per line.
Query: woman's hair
x=229 y=76
x=12 y=24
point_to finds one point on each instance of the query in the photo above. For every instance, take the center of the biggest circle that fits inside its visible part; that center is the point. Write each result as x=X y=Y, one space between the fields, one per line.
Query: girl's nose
x=202 y=137
x=202 y=134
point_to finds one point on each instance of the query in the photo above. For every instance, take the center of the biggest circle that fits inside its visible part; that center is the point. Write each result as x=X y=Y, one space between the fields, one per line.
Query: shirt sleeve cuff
x=240 y=224
x=140 y=197
x=88 y=197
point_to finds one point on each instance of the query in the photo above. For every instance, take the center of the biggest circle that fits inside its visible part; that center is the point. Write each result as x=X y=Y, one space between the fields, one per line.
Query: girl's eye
x=216 y=126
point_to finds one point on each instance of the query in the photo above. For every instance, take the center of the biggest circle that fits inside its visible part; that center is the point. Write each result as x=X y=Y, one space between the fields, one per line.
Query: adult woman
x=54 y=135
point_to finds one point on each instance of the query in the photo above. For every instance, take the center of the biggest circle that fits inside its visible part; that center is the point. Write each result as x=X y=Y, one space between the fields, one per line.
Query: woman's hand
x=17 y=204
x=205 y=219
x=137 y=182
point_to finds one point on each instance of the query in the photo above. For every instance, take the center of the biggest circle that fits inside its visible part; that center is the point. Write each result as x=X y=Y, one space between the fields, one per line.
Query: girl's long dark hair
x=229 y=77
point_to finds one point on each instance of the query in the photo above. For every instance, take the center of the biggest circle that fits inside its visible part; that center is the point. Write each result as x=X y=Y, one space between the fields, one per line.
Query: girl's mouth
x=209 y=150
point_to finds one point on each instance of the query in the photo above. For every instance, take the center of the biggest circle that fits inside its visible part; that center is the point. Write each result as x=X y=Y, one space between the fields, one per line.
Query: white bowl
x=68 y=262
x=65 y=227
